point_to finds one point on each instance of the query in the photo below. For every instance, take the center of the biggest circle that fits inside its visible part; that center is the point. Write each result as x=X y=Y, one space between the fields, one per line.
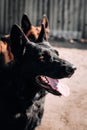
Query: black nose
x=74 y=68
x=70 y=69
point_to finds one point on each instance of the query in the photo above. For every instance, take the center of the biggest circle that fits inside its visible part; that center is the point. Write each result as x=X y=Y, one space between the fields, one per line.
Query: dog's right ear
x=42 y=34
x=25 y=23
x=18 y=41
x=44 y=21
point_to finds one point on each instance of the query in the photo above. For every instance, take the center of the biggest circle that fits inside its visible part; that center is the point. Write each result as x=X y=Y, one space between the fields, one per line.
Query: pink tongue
x=63 y=89
x=58 y=86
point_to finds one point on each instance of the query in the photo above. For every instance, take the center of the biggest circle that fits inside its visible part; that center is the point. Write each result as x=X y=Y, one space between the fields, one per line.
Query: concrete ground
x=69 y=113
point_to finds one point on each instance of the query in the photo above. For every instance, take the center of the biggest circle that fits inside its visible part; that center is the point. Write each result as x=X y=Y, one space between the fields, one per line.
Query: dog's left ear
x=18 y=41
x=25 y=23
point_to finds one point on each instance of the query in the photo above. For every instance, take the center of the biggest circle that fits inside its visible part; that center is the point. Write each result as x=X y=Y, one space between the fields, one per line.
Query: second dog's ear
x=25 y=23
x=45 y=21
x=42 y=34
x=18 y=41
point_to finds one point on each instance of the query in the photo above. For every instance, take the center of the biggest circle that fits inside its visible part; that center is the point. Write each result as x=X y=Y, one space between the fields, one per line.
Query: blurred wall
x=67 y=18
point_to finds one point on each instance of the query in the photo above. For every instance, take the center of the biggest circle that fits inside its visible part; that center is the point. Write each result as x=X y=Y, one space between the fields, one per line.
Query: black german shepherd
x=25 y=81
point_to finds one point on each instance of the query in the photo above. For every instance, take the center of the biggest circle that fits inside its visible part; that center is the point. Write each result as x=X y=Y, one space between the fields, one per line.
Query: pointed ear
x=42 y=34
x=25 y=23
x=18 y=41
x=45 y=21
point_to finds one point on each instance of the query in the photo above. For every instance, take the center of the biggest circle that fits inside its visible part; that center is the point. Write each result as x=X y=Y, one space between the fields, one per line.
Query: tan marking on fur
x=6 y=51
x=36 y=31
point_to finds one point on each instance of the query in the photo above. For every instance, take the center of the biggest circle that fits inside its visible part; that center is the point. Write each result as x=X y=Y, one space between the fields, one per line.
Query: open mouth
x=53 y=86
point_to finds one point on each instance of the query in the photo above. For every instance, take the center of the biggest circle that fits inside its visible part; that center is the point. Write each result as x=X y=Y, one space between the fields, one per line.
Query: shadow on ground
x=68 y=44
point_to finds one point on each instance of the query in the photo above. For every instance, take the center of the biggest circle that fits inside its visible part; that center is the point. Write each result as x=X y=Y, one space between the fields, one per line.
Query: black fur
x=21 y=96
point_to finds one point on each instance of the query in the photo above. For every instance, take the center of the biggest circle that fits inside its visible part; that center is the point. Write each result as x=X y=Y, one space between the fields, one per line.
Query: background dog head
x=31 y=31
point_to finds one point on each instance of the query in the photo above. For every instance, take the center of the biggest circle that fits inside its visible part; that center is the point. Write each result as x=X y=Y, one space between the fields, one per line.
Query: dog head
x=32 y=32
x=40 y=62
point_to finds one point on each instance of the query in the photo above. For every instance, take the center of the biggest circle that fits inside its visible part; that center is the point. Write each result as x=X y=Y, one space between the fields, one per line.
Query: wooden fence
x=67 y=18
